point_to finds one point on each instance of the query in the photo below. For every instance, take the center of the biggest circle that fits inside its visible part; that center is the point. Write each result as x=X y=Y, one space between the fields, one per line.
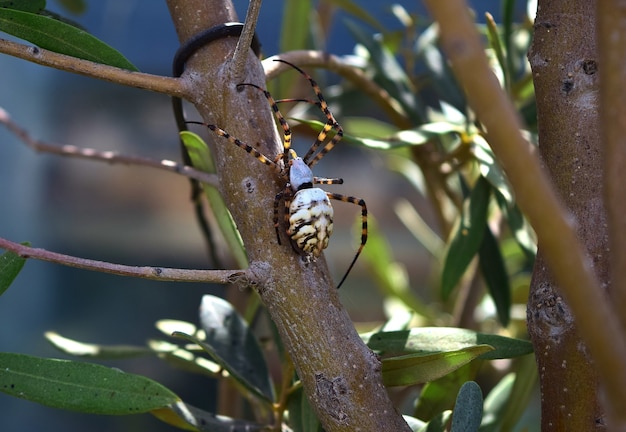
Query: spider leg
x=247 y=147
x=323 y=180
x=281 y=120
x=331 y=123
x=359 y=202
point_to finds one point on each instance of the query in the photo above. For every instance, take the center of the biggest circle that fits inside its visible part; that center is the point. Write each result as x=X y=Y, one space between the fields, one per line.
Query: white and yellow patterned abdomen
x=310 y=220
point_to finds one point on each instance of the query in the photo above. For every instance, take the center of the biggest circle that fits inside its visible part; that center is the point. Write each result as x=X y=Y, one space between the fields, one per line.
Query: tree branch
x=103 y=156
x=340 y=375
x=243 y=277
x=156 y=83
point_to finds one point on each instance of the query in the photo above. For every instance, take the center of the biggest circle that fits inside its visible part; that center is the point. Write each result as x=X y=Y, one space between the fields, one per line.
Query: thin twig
x=103 y=156
x=347 y=70
x=239 y=58
x=160 y=84
x=144 y=272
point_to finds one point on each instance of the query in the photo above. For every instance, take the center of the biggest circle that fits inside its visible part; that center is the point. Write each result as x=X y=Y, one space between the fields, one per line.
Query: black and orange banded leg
x=247 y=147
x=361 y=203
x=331 y=123
x=281 y=120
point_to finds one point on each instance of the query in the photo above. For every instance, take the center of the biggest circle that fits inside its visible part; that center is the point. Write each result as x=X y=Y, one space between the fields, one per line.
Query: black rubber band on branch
x=186 y=50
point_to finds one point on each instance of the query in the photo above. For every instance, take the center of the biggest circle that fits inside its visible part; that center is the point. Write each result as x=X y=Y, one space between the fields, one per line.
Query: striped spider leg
x=308 y=213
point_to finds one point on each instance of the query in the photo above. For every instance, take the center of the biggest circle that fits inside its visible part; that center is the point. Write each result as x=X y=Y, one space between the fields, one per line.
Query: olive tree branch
x=103 y=156
x=247 y=277
x=160 y=84
x=244 y=41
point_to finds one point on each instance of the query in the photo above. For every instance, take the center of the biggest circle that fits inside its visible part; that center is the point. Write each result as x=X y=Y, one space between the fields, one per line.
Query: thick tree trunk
x=341 y=376
x=563 y=58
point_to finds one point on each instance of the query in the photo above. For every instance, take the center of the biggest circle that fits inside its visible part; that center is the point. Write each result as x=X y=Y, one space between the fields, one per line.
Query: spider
x=308 y=213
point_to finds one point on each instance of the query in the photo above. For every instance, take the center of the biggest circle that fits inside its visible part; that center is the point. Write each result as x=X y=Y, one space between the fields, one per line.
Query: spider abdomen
x=310 y=220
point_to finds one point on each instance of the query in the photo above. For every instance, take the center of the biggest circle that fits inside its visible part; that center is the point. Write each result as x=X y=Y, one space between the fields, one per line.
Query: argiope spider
x=308 y=213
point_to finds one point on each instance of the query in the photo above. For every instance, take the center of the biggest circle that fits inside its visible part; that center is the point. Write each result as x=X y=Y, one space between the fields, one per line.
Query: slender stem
x=337 y=64
x=243 y=44
x=145 y=272
x=156 y=83
x=103 y=156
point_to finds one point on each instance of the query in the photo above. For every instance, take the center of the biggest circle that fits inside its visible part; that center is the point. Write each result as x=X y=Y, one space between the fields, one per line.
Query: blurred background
x=139 y=216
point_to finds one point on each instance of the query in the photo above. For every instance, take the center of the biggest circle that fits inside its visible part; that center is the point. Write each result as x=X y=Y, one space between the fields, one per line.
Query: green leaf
x=390 y=74
x=438 y=423
x=467 y=236
x=77 y=386
x=11 y=265
x=202 y=160
x=522 y=232
x=495 y=275
x=103 y=352
x=506 y=402
x=391 y=276
x=490 y=169
x=357 y=11
x=439 y=395
x=302 y=418
x=436 y=339
x=419 y=368
x=468 y=411
x=188 y=417
x=232 y=345
x=33 y=6
x=59 y=37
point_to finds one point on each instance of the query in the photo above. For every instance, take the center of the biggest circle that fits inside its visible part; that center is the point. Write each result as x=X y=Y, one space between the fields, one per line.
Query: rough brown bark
x=341 y=376
x=563 y=58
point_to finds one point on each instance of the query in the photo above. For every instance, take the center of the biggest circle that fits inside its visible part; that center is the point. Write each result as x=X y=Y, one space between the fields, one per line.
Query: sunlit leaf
x=78 y=386
x=82 y=349
x=420 y=368
x=436 y=339
x=54 y=35
x=11 y=265
x=439 y=395
x=490 y=169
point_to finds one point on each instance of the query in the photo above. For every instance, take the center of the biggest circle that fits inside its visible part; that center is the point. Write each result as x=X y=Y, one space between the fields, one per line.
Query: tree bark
x=563 y=57
x=340 y=375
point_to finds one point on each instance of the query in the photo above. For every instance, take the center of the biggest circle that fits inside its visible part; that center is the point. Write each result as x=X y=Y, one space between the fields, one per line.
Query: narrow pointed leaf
x=495 y=276
x=467 y=237
x=468 y=410
x=188 y=417
x=418 y=368
x=10 y=266
x=439 y=395
x=234 y=343
x=81 y=349
x=54 y=35
x=202 y=160
x=33 y=6
x=78 y=386
x=437 y=339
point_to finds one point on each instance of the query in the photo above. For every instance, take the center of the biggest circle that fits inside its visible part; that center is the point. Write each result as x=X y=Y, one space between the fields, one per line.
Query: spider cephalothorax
x=308 y=214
